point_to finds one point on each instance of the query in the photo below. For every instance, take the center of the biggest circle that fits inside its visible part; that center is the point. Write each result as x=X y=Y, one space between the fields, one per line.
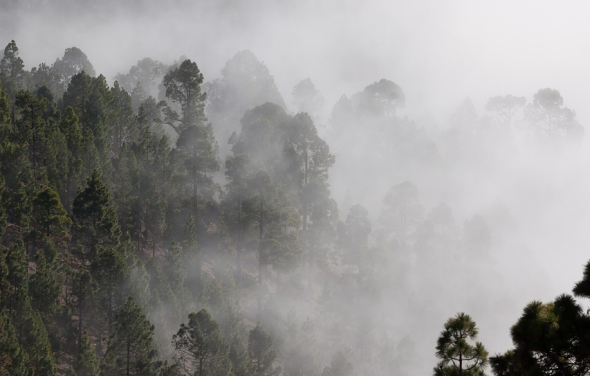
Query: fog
x=532 y=197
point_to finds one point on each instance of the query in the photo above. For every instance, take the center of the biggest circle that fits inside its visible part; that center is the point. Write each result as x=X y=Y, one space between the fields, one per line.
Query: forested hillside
x=162 y=223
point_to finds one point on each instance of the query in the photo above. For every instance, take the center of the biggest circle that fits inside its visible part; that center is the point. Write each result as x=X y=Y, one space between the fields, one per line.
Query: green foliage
x=12 y=71
x=183 y=86
x=50 y=217
x=95 y=220
x=201 y=349
x=13 y=358
x=131 y=349
x=87 y=363
x=458 y=356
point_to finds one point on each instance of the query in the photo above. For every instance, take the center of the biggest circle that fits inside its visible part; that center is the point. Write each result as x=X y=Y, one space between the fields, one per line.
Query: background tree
x=505 y=107
x=307 y=98
x=73 y=62
x=548 y=118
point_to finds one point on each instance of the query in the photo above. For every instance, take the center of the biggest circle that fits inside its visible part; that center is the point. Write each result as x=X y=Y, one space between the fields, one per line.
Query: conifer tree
x=83 y=291
x=241 y=363
x=260 y=350
x=12 y=72
x=31 y=131
x=131 y=349
x=190 y=245
x=459 y=357
x=95 y=220
x=50 y=217
x=87 y=363
x=183 y=86
x=70 y=128
x=109 y=271
x=13 y=358
x=125 y=127
x=199 y=345
x=44 y=286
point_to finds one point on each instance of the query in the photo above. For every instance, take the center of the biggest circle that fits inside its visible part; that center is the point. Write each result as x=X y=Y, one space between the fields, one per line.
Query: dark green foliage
x=50 y=217
x=87 y=363
x=549 y=339
x=131 y=349
x=13 y=358
x=44 y=287
x=95 y=220
x=458 y=356
x=183 y=86
x=110 y=271
x=582 y=288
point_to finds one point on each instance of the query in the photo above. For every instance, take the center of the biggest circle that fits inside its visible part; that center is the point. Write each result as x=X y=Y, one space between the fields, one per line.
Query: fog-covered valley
x=321 y=185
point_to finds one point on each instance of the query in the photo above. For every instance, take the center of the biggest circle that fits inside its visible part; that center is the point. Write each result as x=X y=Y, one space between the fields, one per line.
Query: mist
x=449 y=58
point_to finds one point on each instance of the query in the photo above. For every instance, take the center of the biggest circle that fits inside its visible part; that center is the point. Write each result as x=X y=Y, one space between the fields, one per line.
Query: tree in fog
x=201 y=349
x=260 y=350
x=505 y=107
x=307 y=98
x=183 y=86
x=354 y=236
x=196 y=144
x=457 y=355
x=549 y=119
x=380 y=99
x=401 y=211
x=12 y=72
x=73 y=62
x=131 y=349
x=147 y=74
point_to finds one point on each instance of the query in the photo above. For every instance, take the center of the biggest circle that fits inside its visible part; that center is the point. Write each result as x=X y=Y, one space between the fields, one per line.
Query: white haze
x=439 y=52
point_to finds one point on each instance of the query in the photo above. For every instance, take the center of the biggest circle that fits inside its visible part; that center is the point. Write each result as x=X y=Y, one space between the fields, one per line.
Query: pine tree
x=95 y=220
x=199 y=345
x=50 y=217
x=125 y=128
x=109 y=270
x=458 y=357
x=83 y=291
x=44 y=286
x=70 y=128
x=87 y=363
x=260 y=350
x=12 y=72
x=13 y=358
x=131 y=349
x=30 y=128
x=241 y=363
x=190 y=245
x=183 y=86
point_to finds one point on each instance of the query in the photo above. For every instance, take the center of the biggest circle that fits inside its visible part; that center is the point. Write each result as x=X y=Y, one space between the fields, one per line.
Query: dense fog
x=459 y=177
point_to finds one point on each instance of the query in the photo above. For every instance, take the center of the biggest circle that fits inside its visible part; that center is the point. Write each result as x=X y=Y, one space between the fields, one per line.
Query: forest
x=160 y=222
